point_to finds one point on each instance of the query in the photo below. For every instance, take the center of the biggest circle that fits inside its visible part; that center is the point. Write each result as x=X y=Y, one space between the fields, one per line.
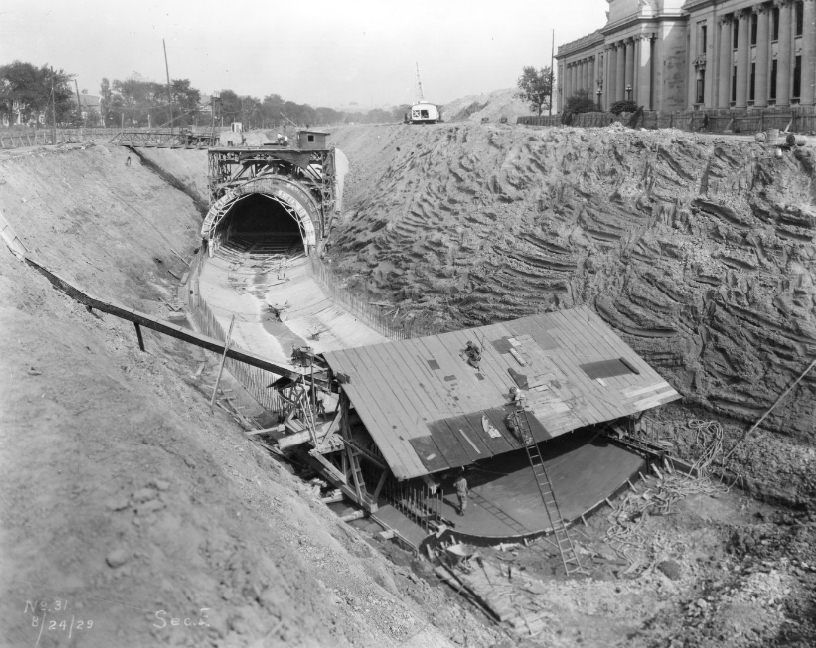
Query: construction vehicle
x=423 y=112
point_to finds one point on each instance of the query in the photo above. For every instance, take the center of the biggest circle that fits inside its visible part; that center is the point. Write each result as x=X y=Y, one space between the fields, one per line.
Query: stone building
x=673 y=55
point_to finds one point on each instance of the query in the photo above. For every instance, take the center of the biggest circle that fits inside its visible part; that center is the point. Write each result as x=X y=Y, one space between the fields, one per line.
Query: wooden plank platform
x=423 y=404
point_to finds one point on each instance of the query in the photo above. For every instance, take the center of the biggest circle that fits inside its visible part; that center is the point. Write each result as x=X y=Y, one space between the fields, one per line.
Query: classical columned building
x=746 y=54
x=673 y=55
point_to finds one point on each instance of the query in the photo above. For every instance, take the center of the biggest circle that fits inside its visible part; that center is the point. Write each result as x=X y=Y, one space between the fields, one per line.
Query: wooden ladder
x=566 y=547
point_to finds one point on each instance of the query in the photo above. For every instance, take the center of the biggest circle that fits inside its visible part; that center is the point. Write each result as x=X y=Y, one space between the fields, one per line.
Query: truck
x=423 y=112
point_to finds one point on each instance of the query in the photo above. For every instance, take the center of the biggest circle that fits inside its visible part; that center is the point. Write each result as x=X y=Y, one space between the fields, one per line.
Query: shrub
x=623 y=107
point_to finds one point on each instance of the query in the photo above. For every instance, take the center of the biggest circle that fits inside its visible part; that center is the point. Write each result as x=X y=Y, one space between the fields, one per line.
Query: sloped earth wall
x=120 y=494
x=698 y=250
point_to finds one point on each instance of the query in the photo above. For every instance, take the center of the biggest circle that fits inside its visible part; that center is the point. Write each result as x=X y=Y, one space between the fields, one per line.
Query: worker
x=516 y=397
x=473 y=354
x=461 y=486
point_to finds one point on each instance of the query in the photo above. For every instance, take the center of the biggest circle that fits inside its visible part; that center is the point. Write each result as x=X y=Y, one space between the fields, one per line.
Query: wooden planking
x=414 y=399
x=367 y=397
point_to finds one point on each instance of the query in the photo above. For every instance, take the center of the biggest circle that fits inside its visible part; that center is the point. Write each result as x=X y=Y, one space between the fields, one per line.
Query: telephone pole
x=169 y=94
x=53 y=111
x=552 y=70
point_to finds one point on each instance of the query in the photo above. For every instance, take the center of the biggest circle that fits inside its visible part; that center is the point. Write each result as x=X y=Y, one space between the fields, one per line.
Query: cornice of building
x=585 y=42
x=636 y=19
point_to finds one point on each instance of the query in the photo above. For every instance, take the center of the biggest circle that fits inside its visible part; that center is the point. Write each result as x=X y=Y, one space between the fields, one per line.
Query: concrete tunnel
x=270 y=212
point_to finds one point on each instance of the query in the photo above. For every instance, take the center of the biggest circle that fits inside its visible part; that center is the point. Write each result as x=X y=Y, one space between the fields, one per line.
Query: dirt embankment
x=121 y=495
x=698 y=250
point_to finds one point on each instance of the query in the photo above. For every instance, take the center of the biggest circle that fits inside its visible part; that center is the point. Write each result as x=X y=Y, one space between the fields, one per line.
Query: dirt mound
x=491 y=106
x=126 y=504
x=698 y=250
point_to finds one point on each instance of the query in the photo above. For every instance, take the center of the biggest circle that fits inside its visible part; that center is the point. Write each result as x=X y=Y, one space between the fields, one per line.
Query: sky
x=334 y=53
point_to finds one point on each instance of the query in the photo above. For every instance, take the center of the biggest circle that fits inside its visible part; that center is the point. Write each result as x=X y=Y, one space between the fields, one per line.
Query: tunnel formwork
x=270 y=190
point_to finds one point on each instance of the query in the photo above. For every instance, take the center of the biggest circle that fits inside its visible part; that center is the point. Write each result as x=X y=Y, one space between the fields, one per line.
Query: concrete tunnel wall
x=289 y=200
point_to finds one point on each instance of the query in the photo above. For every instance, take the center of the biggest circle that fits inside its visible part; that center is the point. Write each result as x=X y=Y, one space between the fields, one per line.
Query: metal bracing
x=312 y=170
x=170 y=138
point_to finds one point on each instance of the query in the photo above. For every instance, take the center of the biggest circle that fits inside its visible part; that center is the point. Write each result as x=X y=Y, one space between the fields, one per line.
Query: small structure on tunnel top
x=311 y=140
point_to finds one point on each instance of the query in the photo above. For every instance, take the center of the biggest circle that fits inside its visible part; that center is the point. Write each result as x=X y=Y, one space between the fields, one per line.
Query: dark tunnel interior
x=260 y=221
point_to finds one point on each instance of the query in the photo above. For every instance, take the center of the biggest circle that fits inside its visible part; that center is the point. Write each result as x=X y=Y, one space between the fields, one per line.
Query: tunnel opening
x=259 y=223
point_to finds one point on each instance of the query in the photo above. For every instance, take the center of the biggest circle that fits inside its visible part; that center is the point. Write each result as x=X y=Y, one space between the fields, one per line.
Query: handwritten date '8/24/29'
x=52 y=616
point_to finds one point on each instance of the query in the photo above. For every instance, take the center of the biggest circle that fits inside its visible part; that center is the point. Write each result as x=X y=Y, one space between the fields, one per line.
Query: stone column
x=607 y=81
x=630 y=67
x=743 y=58
x=809 y=54
x=691 y=68
x=596 y=75
x=783 y=54
x=724 y=64
x=620 y=73
x=610 y=77
x=762 y=57
x=644 y=87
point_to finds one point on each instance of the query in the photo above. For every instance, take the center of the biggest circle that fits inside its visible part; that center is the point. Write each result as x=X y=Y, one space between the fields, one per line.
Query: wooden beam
x=139 y=336
x=369 y=456
x=297 y=439
x=161 y=326
x=274 y=428
x=223 y=360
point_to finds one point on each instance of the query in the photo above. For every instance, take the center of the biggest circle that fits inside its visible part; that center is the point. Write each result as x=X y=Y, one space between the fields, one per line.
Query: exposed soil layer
x=122 y=495
x=698 y=250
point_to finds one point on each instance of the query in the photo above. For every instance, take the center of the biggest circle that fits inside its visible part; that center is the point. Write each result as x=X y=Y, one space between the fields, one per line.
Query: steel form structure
x=232 y=170
x=167 y=138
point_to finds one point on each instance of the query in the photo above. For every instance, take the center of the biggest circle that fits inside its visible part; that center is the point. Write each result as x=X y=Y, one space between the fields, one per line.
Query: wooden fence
x=366 y=306
x=45 y=136
x=797 y=119
x=255 y=380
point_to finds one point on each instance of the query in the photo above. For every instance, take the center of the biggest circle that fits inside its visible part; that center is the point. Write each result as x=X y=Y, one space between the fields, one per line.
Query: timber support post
x=139 y=336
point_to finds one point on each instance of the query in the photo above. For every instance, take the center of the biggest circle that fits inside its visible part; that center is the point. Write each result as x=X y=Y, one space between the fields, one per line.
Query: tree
x=25 y=90
x=106 y=101
x=581 y=102
x=185 y=101
x=535 y=87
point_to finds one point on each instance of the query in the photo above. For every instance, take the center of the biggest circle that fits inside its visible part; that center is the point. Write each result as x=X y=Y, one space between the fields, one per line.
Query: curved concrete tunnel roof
x=295 y=199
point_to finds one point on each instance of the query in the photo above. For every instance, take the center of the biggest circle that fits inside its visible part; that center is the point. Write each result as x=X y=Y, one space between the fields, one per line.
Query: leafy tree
x=230 y=106
x=185 y=101
x=535 y=87
x=26 y=90
x=106 y=101
x=580 y=102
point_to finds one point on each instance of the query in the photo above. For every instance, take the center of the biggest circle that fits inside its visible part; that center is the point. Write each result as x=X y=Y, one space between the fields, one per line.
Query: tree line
x=42 y=95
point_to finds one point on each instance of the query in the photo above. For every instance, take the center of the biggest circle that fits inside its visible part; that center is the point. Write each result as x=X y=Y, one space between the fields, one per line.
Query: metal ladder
x=566 y=547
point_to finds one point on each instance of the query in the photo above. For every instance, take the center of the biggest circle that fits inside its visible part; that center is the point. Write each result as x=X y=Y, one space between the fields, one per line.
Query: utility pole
x=79 y=101
x=53 y=111
x=552 y=70
x=169 y=94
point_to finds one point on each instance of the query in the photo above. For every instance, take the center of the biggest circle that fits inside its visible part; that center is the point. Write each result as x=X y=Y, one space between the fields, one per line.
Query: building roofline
x=584 y=42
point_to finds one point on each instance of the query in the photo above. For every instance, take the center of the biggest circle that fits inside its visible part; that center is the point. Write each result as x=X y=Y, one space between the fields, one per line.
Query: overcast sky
x=322 y=52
